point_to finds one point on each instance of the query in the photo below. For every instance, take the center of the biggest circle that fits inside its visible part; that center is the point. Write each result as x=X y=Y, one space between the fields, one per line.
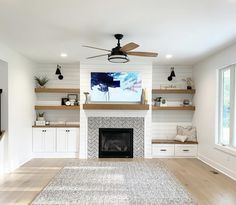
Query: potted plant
x=157 y=101
x=41 y=117
x=189 y=83
x=41 y=81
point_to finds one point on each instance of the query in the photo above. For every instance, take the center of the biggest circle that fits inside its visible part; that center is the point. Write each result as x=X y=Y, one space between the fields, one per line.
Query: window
x=226 y=122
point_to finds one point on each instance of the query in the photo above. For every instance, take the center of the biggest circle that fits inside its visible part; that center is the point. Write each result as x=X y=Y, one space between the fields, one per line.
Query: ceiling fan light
x=118 y=58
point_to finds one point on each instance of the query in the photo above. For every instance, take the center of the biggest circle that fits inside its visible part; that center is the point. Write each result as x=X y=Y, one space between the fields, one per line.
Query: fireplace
x=115 y=143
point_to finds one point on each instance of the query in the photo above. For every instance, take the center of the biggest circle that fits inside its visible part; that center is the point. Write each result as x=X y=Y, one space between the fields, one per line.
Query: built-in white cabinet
x=44 y=139
x=53 y=142
x=174 y=150
x=182 y=150
x=163 y=150
x=67 y=140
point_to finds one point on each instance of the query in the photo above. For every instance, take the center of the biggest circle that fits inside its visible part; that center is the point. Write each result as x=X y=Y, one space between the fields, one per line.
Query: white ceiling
x=190 y=30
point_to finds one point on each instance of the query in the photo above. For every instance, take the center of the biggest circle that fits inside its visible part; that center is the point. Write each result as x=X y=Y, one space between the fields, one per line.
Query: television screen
x=116 y=87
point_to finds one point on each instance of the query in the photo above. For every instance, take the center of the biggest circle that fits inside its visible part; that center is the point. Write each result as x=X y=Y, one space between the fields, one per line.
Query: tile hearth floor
x=21 y=186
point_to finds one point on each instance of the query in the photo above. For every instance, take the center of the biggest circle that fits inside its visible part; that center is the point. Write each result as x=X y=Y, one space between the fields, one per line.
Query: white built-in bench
x=173 y=148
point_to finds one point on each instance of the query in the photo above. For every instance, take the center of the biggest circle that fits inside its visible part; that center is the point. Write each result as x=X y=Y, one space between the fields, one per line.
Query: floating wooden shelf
x=115 y=107
x=159 y=141
x=173 y=108
x=56 y=126
x=173 y=91
x=57 y=90
x=53 y=107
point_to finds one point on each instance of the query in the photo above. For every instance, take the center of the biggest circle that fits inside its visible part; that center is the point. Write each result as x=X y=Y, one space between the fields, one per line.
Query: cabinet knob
x=163 y=150
x=186 y=150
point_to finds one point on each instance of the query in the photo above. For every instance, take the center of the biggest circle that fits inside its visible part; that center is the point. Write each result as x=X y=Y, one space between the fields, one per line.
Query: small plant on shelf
x=189 y=83
x=157 y=101
x=41 y=81
x=41 y=116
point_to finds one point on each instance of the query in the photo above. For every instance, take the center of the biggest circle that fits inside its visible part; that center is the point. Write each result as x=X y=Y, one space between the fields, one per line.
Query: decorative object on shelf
x=163 y=102
x=86 y=97
x=40 y=123
x=186 y=102
x=142 y=97
x=172 y=74
x=58 y=72
x=41 y=81
x=189 y=83
x=41 y=116
x=64 y=100
x=145 y=96
x=68 y=103
x=168 y=86
x=73 y=98
x=157 y=101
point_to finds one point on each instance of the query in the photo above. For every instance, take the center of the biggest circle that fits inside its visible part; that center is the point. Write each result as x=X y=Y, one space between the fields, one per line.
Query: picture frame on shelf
x=72 y=97
x=64 y=100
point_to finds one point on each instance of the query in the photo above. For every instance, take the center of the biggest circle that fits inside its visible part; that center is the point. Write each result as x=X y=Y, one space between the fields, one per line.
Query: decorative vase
x=40 y=119
x=86 y=97
x=143 y=97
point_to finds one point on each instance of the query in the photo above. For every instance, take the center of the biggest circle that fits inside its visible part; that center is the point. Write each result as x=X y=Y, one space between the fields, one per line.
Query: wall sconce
x=172 y=74
x=58 y=72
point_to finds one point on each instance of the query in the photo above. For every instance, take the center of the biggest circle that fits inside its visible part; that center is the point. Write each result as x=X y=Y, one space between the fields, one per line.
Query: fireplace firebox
x=115 y=143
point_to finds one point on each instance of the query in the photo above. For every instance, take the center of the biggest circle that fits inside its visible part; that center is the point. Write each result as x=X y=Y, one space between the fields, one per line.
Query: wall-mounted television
x=116 y=87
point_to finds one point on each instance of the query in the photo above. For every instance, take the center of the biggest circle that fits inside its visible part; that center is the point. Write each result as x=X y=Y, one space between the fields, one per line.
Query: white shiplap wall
x=164 y=122
x=71 y=73
x=146 y=74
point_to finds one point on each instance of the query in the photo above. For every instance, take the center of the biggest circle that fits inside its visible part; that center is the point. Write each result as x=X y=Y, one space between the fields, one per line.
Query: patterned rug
x=136 y=182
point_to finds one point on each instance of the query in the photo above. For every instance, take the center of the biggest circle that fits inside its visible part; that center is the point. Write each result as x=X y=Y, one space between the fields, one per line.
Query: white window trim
x=218 y=145
x=226 y=149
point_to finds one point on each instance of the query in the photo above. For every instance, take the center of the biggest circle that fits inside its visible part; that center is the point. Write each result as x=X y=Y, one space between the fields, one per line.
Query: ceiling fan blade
x=144 y=54
x=102 y=49
x=98 y=56
x=129 y=47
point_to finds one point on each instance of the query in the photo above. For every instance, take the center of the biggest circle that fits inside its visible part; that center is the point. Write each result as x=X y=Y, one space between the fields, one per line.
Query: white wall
x=146 y=74
x=205 y=76
x=4 y=115
x=164 y=122
x=21 y=99
x=71 y=73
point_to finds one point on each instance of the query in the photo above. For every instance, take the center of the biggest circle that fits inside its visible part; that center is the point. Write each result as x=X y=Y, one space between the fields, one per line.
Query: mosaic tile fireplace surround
x=94 y=123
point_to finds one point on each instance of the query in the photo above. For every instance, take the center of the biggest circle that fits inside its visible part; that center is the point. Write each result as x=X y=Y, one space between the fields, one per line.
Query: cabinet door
x=38 y=140
x=62 y=140
x=72 y=140
x=50 y=140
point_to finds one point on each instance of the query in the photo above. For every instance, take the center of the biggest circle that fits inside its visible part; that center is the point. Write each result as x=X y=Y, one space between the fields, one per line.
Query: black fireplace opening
x=115 y=143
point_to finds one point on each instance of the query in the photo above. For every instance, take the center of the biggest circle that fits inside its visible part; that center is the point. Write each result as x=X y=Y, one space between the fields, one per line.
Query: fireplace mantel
x=115 y=106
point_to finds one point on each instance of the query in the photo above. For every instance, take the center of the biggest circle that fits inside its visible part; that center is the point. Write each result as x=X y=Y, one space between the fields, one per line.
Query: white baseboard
x=55 y=155
x=217 y=166
x=16 y=166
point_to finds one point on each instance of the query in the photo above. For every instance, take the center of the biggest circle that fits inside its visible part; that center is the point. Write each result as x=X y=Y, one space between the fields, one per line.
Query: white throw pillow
x=181 y=138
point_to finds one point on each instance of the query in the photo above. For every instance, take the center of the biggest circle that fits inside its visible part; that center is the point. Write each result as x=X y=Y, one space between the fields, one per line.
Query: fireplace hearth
x=115 y=143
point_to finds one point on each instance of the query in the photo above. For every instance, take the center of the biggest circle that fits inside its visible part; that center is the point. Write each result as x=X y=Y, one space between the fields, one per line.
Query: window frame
x=232 y=138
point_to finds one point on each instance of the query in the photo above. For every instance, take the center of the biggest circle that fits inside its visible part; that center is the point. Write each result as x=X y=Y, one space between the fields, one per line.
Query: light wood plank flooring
x=21 y=186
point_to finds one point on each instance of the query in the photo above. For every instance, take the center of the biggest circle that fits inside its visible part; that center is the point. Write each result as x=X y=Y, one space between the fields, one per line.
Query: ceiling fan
x=120 y=54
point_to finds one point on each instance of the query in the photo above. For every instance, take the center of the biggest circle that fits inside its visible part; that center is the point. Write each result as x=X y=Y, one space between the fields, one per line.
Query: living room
x=117 y=102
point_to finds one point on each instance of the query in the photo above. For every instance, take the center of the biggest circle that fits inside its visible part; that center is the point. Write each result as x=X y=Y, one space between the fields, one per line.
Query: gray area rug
x=135 y=182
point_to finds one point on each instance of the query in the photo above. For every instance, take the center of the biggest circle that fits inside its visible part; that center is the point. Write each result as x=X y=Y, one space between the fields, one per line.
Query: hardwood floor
x=207 y=188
